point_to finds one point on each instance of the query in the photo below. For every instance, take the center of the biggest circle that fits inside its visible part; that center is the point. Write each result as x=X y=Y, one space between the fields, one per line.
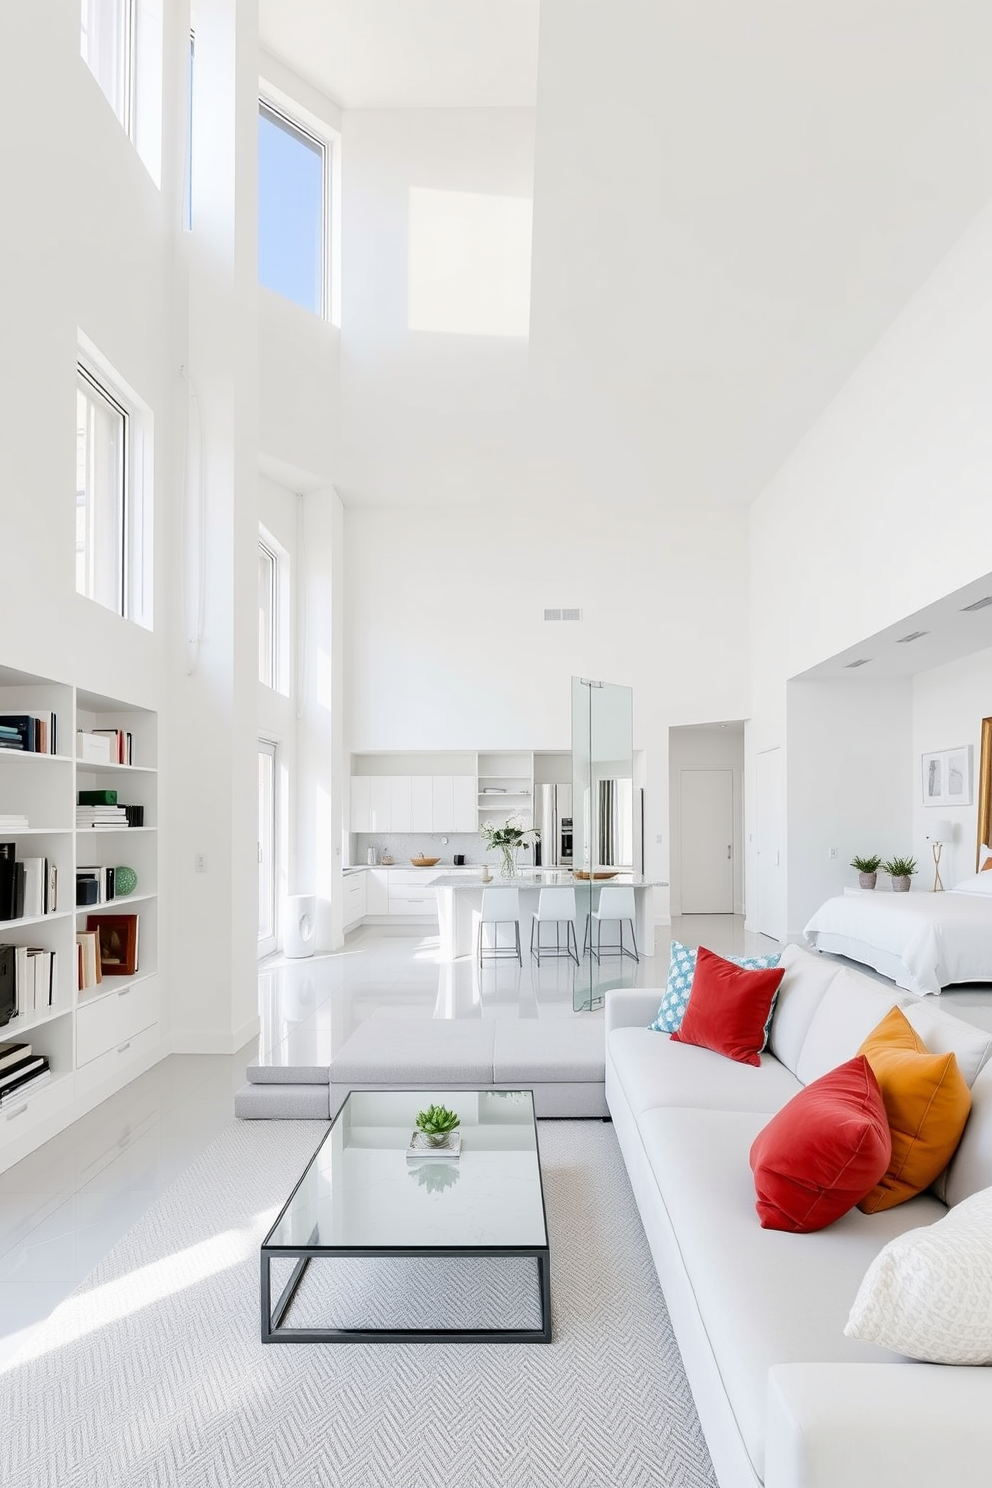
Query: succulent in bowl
x=437 y=1123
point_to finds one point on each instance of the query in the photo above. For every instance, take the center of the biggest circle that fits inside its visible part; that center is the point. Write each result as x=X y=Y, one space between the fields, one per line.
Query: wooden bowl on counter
x=607 y=873
x=424 y=862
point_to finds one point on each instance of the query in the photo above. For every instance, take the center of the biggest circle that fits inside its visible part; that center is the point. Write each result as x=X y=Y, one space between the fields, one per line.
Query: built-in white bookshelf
x=96 y=1039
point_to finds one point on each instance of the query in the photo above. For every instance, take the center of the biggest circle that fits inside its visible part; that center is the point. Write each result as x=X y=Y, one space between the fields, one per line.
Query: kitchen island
x=459 y=907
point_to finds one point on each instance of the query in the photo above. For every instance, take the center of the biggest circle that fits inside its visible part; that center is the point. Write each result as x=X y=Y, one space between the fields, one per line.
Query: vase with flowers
x=508 y=839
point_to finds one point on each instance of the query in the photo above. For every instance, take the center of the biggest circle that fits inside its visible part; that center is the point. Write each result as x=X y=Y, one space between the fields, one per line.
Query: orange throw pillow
x=927 y=1103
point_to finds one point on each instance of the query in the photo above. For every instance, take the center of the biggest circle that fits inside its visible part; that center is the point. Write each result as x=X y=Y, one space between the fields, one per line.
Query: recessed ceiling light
x=914 y=635
x=979 y=604
x=863 y=662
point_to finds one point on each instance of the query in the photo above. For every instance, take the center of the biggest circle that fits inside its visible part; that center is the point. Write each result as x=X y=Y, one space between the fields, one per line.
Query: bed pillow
x=928 y=1293
x=926 y=1101
x=730 y=1008
x=827 y=1147
x=978 y=883
x=681 y=969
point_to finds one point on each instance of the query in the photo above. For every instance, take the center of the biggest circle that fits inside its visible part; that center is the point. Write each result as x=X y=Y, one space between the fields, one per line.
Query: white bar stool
x=557 y=907
x=500 y=907
x=615 y=903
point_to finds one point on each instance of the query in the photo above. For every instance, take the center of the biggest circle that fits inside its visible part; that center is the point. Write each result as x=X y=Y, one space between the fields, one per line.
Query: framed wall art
x=947 y=777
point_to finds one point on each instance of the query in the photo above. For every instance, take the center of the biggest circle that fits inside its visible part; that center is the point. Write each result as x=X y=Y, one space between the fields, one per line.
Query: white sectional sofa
x=784 y=1398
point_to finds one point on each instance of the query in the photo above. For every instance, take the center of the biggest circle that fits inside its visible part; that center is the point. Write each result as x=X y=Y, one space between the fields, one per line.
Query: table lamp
x=938 y=832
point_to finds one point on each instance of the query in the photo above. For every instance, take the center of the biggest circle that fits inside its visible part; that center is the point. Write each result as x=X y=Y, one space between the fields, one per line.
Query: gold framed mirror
x=985 y=790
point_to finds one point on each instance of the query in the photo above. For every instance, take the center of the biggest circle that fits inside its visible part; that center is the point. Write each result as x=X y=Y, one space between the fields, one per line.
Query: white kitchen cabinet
x=465 y=813
x=400 y=803
x=443 y=803
x=381 y=803
x=361 y=803
x=412 y=894
x=422 y=807
x=354 y=899
x=377 y=891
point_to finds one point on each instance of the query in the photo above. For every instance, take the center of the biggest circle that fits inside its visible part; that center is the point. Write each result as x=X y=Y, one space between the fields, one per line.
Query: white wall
x=425 y=416
x=713 y=749
x=883 y=507
x=850 y=774
x=447 y=647
x=949 y=704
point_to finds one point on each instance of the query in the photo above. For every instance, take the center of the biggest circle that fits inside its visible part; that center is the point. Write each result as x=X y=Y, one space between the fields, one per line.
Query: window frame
x=95 y=387
x=311 y=133
x=136 y=512
x=127 y=40
x=269 y=942
x=269 y=658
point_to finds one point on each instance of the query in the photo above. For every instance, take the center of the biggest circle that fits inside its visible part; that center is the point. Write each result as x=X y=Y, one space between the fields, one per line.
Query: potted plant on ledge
x=900 y=870
x=867 y=870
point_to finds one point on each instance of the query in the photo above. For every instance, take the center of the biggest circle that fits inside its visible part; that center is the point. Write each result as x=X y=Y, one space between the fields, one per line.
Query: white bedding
x=922 y=941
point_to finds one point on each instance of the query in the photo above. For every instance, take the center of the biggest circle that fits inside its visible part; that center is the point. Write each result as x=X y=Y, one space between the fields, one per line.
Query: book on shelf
x=8 y=880
x=135 y=816
x=8 y=984
x=14 y=1052
x=11 y=822
x=23 y=1070
x=29 y=1084
x=92 y=748
x=101 y=816
x=96 y=798
x=35 y=886
x=94 y=885
x=119 y=742
x=88 y=965
x=33 y=733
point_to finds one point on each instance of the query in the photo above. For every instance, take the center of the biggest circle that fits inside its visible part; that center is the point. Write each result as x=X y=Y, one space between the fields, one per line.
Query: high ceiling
x=409 y=53
x=732 y=202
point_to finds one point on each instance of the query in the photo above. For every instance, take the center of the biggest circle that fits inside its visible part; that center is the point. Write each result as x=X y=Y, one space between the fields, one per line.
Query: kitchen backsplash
x=403 y=847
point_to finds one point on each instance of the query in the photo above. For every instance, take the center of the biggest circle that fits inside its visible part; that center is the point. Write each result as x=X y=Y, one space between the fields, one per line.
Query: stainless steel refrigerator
x=553 y=816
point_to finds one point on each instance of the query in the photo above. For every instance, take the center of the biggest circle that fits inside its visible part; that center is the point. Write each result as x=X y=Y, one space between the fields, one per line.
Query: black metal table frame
x=272 y=1332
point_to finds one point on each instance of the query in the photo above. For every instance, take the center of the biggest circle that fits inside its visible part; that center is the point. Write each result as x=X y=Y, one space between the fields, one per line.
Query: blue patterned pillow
x=681 y=970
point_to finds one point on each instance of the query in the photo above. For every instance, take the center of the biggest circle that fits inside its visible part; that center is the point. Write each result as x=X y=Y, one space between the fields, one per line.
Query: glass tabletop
x=360 y=1191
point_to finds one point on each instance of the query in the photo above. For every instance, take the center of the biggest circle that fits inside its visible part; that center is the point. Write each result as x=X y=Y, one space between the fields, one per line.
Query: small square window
x=292 y=210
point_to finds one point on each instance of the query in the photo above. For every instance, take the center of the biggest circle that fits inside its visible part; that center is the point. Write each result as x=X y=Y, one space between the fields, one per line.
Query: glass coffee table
x=410 y=1250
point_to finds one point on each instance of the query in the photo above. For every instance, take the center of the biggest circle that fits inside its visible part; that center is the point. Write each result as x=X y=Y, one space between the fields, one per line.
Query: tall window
x=267 y=614
x=292 y=210
x=106 y=40
x=266 y=847
x=102 y=466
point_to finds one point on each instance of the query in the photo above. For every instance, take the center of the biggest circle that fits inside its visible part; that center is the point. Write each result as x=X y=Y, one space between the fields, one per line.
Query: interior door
x=769 y=833
x=707 y=848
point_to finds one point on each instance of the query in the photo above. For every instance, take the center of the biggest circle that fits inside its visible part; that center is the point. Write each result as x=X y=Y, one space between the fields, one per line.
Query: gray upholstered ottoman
x=561 y=1059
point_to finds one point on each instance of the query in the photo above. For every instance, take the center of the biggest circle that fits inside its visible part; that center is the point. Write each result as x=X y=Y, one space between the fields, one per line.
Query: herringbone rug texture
x=152 y=1373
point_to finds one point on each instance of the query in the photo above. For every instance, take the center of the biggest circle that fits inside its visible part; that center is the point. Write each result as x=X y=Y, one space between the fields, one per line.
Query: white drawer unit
x=412 y=893
x=108 y=1023
x=117 y=1063
x=354 y=898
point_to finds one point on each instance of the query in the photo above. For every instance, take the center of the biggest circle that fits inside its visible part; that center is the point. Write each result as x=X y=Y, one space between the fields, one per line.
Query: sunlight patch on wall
x=469 y=263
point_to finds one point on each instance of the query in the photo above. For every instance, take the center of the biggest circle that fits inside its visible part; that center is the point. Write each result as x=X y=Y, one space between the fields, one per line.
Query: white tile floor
x=64 y=1207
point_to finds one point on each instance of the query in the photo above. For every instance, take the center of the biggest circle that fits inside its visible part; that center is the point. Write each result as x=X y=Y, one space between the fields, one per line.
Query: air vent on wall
x=563 y=614
x=863 y=662
x=978 y=605
x=914 y=635
x=552 y=614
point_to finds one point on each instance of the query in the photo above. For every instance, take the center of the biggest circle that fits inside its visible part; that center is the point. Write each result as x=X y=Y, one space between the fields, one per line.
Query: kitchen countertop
x=537 y=878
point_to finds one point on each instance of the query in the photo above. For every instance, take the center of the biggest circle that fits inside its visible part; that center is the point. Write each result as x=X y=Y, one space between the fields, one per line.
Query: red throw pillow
x=823 y=1152
x=729 y=1008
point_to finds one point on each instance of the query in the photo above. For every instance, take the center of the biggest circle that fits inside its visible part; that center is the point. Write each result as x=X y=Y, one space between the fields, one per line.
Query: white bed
x=922 y=941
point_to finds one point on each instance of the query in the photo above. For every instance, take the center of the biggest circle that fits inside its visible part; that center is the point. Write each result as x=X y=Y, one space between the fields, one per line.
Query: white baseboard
x=210 y=1041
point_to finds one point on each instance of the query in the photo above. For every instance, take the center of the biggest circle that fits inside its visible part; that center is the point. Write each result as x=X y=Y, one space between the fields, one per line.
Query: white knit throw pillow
x=928 y=1293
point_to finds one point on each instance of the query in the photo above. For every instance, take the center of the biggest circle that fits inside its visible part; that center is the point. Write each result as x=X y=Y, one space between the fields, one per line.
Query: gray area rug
x=152 y=1373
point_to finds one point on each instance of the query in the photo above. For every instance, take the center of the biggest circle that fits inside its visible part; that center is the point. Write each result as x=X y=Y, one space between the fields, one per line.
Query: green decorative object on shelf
x=437 y=1123
x=125 y=881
